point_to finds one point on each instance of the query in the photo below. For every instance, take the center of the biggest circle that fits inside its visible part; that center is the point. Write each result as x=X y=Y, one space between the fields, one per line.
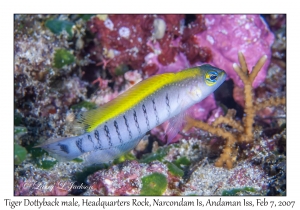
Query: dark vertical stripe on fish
x=96 y=133
x=118 y=131
x=79 y=144
x=128 y=128
x=155 y=111
x=146 y=116
x=168 y=104
x=136 y=122
x=107 y=134
x=91 y=140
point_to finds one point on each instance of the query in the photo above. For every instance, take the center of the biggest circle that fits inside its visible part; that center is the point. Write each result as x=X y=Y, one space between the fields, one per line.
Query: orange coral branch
x=257 y=68
x=226 y=157
x=213 y=130
x=248 y=79
x=243 y=63
x=240 y=72
x=273 y=101
x=245 y=129
x=228 y=119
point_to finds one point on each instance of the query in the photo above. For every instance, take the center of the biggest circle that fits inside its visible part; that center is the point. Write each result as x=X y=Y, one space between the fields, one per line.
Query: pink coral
x=103 y=83
x=244 y=177
x=133 y=77
x=122 y=39
x=226 y=35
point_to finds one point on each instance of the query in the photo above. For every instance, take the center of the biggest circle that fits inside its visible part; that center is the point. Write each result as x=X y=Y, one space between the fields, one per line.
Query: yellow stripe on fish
x=117 y=126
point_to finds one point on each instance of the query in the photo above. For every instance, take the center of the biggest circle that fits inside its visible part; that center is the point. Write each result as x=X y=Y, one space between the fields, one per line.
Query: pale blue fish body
x=165 y=96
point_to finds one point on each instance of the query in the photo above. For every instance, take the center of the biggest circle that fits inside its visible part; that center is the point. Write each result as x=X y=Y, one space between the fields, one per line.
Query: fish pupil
x=213 y=77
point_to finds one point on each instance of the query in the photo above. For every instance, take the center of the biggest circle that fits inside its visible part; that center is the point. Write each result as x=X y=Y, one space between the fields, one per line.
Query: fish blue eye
x=211 y=77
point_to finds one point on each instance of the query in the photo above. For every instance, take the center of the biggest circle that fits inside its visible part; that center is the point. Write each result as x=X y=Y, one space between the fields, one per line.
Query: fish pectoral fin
x=174 y=126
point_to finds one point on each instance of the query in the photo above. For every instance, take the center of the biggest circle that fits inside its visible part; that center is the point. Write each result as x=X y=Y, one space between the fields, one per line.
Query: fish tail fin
x=61 y=148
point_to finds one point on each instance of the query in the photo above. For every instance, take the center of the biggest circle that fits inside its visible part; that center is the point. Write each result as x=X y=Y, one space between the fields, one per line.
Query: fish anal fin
x=107 y=155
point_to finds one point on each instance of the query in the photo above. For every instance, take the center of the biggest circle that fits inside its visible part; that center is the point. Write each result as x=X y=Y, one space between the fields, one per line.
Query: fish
x=117 y=126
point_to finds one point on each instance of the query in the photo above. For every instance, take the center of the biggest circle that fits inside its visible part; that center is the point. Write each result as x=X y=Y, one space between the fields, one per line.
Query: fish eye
x=211 y=77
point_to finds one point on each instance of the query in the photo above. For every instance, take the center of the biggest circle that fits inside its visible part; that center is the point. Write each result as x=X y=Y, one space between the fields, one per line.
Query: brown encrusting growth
x=242 y=131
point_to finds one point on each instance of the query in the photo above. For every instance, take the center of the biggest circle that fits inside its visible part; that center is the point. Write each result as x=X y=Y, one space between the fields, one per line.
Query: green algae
x=84 y=104
x=19 y=130
x=121 y=69
x=46 y=164
x=63 y=57
x=20 y=154
x=235 y=191
x=173 y=169
x=182 y=161
x=158 y=155
x=154 y=184
x=86 y=17
x=58 y=26
x=36 y=152
x=17 y=119
x=124 y=157
x=77 y=160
